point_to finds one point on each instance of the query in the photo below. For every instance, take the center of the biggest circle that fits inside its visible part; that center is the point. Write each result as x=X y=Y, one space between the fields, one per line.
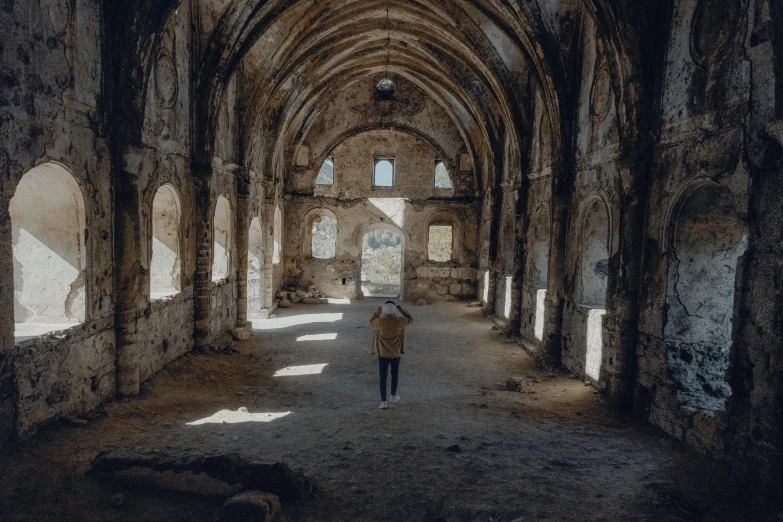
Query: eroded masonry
x=604 y=176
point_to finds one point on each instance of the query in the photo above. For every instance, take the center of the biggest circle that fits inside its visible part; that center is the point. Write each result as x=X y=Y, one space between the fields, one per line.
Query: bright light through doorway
x=295 y=371
x=279 y=323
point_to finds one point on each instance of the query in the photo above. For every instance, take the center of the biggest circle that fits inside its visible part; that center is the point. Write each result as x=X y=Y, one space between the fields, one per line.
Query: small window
x=326 y=174
x=442 y=178
x=324 y=241
x=384 y=173
x=440 y=244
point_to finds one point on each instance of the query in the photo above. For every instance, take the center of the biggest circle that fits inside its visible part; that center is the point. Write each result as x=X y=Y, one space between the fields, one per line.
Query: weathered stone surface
x=231 y=469
x=251 y=506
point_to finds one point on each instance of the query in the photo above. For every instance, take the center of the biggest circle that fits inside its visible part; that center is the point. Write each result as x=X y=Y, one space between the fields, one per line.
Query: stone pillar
x=242 y=244
x=127 y=258
x=7 y=381
x=202 y=280
x=557 y=285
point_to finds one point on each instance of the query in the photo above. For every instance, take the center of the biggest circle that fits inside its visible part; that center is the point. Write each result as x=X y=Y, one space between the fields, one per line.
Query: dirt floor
x=458 y=447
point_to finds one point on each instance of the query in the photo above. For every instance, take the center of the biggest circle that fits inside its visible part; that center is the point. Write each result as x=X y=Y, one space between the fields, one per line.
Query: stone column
x=7 y=381
x=127 y=259
x=241 y=333
x=202 y=280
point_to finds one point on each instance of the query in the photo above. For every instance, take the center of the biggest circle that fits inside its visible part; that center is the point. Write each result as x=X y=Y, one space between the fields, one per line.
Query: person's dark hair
x=389 y=302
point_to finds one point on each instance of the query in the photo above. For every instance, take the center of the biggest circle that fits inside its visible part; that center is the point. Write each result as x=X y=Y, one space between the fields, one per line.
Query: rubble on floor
x=291 y=295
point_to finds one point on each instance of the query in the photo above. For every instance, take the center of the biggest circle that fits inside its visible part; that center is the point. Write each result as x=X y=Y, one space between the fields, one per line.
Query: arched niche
x=538 y=268
x=592 y=278
x=166 y=262
x=48 y=222
x=255 y=267
x=320 y=234
x=222 y=236
x=593 y=268
x=707 y=238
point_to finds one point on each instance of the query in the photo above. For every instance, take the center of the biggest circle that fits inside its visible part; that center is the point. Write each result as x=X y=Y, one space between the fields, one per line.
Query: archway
x=382 y=262
x=49 y=249
x=255 y=268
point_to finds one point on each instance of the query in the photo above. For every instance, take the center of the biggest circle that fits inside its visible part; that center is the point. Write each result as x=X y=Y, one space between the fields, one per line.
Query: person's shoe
x=395 y=398
x=384 y=405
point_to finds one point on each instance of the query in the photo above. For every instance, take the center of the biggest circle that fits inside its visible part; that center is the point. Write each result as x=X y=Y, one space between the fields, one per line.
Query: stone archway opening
x=382 y=261
x=255 y=269
x=49 y=250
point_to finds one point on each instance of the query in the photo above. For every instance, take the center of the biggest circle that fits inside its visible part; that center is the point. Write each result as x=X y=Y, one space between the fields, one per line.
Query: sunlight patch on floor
x=293 y=371
x=294 y=320
x=238 y=417
x=318 y=337
x=334 y=300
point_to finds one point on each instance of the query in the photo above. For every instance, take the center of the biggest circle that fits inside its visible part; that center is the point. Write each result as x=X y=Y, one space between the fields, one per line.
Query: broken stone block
x=240 y=334
x=302 y=294
x=251 y=506
x=285 y=303
x=296 y=299
x=455 y=289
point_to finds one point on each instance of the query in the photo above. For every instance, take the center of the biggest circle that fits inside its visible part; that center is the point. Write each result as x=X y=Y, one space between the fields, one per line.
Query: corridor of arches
x=601 y=179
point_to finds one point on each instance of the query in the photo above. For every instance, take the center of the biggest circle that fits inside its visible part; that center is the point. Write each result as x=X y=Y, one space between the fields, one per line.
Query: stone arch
x=166 y=258
x=255 y=268
x=48 y=221
x=310 y=219
x=222 y=239
x=707 y=238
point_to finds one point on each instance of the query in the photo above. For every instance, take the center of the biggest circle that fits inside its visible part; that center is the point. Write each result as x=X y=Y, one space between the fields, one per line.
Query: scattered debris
x=251 y=506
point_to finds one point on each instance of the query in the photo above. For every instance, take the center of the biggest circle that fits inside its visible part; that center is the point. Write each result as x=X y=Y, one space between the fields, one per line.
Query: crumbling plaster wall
x=410 y=206
x=165 y=327
x=704 y=103
x=595 y=183
x=50 y=74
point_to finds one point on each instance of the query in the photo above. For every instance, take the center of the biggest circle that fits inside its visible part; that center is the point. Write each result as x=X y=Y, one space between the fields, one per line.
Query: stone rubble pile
x=291 y=295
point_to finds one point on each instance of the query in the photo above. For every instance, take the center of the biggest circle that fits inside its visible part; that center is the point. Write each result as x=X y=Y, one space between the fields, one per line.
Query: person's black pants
x=383 y=371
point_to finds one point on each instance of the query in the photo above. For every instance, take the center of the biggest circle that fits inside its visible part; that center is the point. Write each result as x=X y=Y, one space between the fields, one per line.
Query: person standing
x=388 y=343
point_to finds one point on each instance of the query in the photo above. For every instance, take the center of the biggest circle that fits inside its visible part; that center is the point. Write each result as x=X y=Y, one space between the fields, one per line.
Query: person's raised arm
x=405 y=315
x=375 y=317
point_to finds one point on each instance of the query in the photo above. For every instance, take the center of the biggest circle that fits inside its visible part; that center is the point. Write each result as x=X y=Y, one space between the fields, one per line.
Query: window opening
x=441 y=243
x=442 y=178
x=49 y=252
x=324 y=237
x=221 y=255
x=165 y=265
x=384 y=173
x=326 y=174
x=278 y=235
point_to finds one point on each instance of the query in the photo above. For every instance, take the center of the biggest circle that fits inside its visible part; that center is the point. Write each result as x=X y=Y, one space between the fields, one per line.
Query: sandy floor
x=551 y=452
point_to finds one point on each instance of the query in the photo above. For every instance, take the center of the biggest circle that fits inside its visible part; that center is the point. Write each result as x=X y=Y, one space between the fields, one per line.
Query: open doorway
x=382 y=264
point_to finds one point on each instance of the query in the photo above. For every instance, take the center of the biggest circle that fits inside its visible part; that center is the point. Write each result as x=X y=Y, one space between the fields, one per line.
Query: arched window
x=442 y=178
x=324 y=237
x=709 y=237
x=278 y=237
x=326 y=174
x=593 y=276
x=441 y=243
x=255 y=267
x=221 y=252
x=165 y=265
x=384 y=173
x=49 y=249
